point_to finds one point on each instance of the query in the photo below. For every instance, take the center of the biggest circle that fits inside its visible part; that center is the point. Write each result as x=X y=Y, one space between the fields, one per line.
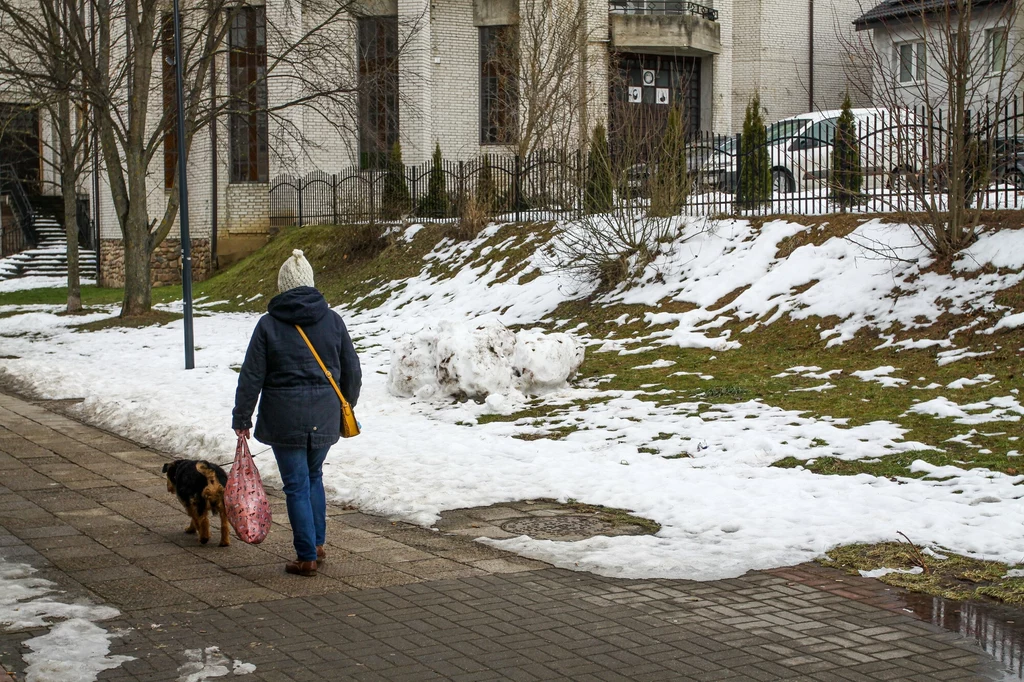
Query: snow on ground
x=75 y=649
x=205 y=664
x=842 y=277
x=37 y=282
x=723 y=511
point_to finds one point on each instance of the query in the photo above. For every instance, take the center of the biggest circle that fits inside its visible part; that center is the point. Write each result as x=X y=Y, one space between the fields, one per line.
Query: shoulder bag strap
x=327 y=372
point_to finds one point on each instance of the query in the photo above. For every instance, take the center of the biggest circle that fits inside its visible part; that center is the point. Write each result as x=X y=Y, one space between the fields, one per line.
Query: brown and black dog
x=200 y=487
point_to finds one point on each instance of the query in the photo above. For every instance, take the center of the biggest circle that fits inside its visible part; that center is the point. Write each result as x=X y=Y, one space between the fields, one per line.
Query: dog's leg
x=197 y=523
x=225 y=531
x=191 y=527
x=204 y=528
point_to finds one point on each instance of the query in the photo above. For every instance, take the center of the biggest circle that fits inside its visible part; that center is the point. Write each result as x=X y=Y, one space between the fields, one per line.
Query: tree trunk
x=137 y=289
x=68 y=189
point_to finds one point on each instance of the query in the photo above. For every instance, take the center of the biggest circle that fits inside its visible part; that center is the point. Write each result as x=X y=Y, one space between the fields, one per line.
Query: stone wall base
x=165 y=263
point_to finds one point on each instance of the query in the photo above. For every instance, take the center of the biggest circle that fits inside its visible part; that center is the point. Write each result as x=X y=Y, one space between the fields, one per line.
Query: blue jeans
x=302 y=472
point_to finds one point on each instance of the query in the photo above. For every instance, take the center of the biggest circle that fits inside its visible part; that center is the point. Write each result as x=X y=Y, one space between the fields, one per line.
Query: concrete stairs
x=50 y=257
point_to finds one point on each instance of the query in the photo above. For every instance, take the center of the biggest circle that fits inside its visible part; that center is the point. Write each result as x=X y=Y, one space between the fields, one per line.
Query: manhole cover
x=563 y=527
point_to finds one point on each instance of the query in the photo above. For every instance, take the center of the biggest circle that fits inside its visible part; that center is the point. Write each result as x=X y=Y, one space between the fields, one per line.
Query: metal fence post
x=737 y=191
x=298 y=185
x=334 y=197
x=516 y=185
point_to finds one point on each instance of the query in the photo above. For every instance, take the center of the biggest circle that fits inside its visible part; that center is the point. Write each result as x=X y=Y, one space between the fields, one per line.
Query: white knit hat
x=296 y=272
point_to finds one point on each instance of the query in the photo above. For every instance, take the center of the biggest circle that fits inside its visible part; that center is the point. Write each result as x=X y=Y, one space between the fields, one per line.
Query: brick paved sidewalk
x=399 y=602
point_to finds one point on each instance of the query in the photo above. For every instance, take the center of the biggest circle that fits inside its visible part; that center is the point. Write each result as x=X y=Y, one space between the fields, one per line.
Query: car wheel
x=903 y=180
x=782 y=181
x=1015 y=179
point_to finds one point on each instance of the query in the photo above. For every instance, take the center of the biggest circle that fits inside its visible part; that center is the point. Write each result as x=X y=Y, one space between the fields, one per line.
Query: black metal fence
x=904 y=161
x=19 y=226
x=546 y=186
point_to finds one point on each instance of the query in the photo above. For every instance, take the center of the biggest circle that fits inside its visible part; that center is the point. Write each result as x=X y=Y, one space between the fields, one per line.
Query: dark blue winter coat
x=298 y=406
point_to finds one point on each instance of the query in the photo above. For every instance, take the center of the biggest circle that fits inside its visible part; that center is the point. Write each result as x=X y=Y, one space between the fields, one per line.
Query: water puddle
x=999 y=631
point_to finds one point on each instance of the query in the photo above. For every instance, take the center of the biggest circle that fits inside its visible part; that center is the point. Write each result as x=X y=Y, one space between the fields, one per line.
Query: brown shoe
x=321 y=554
x=306 y=568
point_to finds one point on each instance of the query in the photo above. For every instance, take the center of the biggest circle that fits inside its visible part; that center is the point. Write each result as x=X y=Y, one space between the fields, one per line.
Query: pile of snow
x=481 y=360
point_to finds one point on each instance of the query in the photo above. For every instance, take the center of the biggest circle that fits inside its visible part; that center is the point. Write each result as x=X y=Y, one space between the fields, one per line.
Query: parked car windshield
x=785 y=129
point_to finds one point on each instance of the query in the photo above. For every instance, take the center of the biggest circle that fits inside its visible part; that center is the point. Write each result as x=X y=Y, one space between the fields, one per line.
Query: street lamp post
x=186 y=242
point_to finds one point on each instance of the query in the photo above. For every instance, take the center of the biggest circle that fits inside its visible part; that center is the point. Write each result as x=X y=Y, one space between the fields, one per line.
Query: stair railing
x=24 y=214
x=82 y=217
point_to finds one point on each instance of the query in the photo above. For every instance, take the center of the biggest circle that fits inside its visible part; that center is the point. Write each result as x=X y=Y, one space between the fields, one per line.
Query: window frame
x=990 y=49
x=498 y=100
x=248 y=97
x=377 y=39
x=918 y=62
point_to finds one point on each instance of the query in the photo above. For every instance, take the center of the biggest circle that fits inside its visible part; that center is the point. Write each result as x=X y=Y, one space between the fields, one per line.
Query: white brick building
x=711 y=57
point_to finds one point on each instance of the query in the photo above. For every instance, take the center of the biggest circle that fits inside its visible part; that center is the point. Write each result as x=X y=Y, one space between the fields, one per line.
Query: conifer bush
x=847 y=175
x=598 y=194
x=395 y=201
x=436 y=203
x=670 y=186
x=755 y=182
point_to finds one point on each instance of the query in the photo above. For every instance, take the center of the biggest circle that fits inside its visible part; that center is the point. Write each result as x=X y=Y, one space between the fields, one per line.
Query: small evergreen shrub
x=755 y=181
x=395 y=201
x=436 y=204
x=847 y=174
x=598 y=195
x=670 y=186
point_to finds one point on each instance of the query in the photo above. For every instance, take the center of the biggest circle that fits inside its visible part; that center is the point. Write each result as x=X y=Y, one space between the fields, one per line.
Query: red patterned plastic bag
x=246 y=501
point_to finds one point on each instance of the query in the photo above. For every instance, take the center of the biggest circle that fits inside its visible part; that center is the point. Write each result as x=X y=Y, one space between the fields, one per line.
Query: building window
x=170 y=93
x=499 y=88
x=913 y=62
x=996 y=50
x=247 y=90
x=378 y=89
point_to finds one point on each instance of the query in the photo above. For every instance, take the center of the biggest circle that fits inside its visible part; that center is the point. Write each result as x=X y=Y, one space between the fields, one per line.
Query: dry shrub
x=610 y=248
x=471 y=222
x=367 y=240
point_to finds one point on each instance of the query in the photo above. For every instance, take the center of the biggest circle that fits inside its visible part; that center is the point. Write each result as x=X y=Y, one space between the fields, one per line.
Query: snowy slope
x=724 y=511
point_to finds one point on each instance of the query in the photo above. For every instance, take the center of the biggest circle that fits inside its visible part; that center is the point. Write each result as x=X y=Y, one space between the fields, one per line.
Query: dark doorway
x=19 y=142
x=644 y=89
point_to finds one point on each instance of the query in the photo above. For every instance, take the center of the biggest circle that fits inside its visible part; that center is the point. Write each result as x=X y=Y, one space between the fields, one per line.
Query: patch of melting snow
x=204 y=664
x=657 y=364
x=74 y=650
x=951 y=356
x=879 y=572
x=817 y=389
x=980 y=379
x=1000 y=408
x=881 y=376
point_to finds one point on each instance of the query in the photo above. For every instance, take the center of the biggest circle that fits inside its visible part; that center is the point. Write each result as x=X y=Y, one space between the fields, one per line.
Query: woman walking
x=299 y=412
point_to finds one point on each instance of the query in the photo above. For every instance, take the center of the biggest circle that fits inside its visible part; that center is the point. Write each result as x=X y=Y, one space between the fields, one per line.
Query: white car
x=800 y=150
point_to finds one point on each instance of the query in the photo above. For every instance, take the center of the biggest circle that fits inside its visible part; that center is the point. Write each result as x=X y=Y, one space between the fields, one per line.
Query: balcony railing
x=671 y=7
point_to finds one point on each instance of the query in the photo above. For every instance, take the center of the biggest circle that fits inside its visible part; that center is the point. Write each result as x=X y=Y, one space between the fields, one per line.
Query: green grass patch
x=955 y=577
x=154 y=317
x=91 y=296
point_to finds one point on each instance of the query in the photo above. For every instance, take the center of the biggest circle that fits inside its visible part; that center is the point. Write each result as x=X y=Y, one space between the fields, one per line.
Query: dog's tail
x=214 y=491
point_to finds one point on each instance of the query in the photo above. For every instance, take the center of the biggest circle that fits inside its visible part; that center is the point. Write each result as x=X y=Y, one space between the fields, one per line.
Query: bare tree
x=38 y=66
x=296 y=66
x=947 y=76
x=539 y=66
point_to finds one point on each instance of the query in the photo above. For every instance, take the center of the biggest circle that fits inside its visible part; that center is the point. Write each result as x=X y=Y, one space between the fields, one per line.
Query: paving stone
x=398 y=602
